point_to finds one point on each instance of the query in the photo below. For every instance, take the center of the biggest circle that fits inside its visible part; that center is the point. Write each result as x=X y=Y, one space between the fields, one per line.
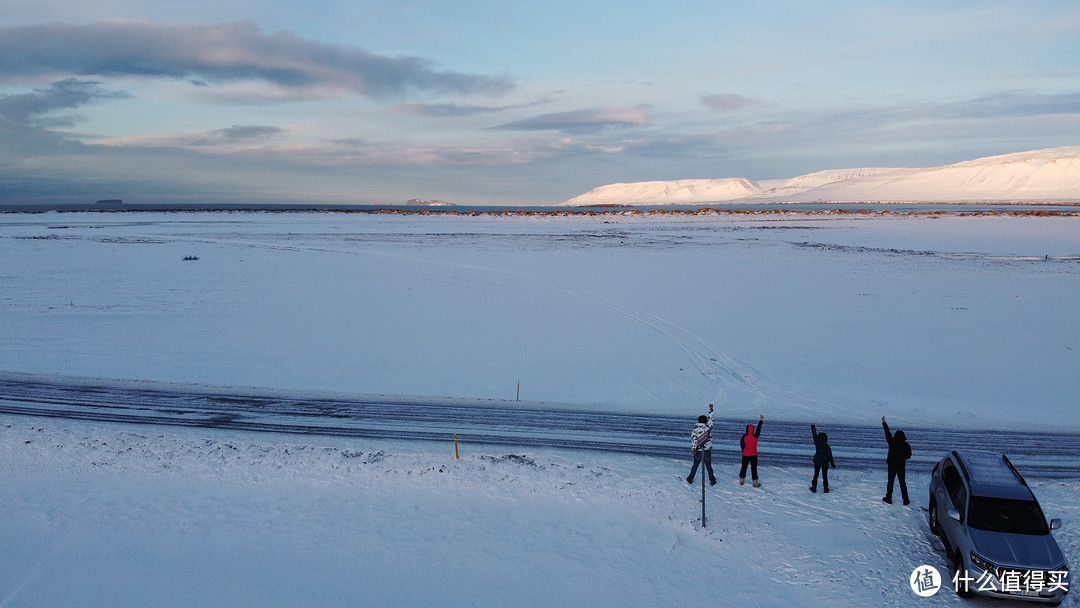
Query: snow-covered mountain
x=821 y=178
x=1052 y=174
x=673 y=192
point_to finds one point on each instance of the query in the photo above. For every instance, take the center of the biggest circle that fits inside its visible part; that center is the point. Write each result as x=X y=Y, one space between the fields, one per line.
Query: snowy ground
x=100 y=515
x=955 y=321
x=959 y=321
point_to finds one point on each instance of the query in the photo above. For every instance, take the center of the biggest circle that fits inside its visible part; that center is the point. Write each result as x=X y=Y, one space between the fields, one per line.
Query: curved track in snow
x=1045 y=454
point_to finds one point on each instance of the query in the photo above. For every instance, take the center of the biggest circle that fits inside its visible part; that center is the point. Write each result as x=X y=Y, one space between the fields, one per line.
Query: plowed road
x=1043 y=454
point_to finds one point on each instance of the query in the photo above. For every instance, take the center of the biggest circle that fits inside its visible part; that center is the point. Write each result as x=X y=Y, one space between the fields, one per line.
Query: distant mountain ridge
x=673 y=192
x=1051 y=174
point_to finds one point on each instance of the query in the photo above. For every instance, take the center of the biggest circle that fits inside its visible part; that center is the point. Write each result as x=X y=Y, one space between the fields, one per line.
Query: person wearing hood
x=899 y=453
x=822 y=459
x=701 y=445
x=749 y=452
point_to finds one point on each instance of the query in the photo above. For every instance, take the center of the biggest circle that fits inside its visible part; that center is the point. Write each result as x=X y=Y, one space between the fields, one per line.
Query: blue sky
x=511 y=103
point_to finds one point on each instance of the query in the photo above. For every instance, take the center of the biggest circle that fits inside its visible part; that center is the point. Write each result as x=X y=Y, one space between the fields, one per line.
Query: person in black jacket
x=899 y=452
x=822 y=459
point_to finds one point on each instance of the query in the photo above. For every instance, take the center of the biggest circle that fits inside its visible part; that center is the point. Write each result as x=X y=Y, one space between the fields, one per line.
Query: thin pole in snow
x=518 y=398
x=703 y=492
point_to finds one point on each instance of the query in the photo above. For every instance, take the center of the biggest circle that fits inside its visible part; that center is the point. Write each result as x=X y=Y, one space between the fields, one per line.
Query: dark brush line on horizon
x=1056 y=208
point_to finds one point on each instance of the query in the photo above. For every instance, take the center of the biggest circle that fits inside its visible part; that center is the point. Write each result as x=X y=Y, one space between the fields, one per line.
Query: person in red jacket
x=749 y=452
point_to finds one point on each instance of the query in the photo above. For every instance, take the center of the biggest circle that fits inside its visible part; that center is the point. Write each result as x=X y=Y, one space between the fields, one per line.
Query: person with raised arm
x=822 y=459
x=899 y=453
x=701 y=446
x=748 y=443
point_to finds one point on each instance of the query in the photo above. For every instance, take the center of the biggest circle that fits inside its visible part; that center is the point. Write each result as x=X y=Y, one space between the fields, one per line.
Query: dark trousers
x=705 y=455
x=752 y=461
x=897 y=473
x=824 y=476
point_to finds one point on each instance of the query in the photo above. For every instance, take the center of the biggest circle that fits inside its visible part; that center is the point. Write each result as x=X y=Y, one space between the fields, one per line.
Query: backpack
x=701 y=441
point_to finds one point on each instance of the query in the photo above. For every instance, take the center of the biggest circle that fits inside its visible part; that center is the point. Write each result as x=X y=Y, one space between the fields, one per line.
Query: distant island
x=415 y=202
x=109 y=202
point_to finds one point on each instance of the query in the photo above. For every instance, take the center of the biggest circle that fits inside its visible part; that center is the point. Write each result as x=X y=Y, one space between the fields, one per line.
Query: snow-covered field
x=955 y=321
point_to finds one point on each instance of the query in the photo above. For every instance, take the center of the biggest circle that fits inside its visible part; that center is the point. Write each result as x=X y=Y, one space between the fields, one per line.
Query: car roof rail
x=1013 y=469
x=960 y=461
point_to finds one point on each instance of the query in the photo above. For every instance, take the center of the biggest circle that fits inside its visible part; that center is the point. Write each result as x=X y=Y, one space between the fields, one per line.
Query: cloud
x=223 y=53
x=229 y=140
x=350 y=142
x=444 y=109
x=582 y=120
x=454 y=110
x=240 y=132
x=33 y=110
x=673 y=147
x=1012 y=103
x=727 y=102
x=984 y=110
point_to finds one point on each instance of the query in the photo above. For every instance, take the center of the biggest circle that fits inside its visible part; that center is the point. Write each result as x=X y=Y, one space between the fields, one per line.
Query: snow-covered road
x=1047 y=454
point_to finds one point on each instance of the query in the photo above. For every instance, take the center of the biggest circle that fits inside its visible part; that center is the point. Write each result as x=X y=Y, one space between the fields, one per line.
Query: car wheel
x=960 y=573
x=935 y=525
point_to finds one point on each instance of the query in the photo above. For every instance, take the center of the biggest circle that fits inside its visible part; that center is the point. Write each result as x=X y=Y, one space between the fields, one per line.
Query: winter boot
x=756 y=484
x=813 y=489
x=690 y=480
x=742 y=481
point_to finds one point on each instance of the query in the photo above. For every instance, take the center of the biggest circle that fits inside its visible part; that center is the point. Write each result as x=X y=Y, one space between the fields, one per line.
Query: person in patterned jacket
x=701 y=445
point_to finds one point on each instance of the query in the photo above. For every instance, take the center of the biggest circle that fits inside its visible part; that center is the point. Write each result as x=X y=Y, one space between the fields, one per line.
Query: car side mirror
x=954 y=514
x=1055 y=524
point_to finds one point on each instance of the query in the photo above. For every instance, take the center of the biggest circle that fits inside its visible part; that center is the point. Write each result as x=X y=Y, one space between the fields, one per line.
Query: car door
x=954 y=499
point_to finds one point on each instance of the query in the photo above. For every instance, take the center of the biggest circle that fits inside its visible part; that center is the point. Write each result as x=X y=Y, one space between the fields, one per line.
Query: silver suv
x=993 y=530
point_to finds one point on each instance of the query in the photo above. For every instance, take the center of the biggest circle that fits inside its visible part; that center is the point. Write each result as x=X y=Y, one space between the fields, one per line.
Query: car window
x=1007 y=515
x=954 y=486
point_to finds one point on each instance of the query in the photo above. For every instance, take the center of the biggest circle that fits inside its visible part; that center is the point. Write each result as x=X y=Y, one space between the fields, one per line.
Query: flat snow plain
x=953 y=320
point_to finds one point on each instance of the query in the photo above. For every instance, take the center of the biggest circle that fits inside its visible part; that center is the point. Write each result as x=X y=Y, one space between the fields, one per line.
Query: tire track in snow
x=725 y=370
x=728 y=373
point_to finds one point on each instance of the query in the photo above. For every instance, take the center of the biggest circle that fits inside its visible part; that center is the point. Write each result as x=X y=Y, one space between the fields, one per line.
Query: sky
x=489 y=103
